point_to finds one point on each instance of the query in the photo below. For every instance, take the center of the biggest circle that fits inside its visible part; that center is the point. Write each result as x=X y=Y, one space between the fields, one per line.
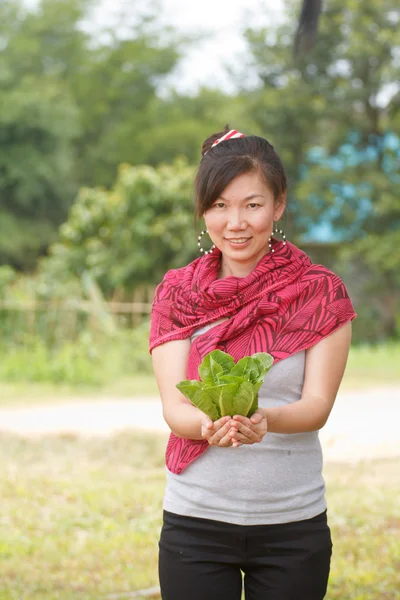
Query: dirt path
x=362 y=424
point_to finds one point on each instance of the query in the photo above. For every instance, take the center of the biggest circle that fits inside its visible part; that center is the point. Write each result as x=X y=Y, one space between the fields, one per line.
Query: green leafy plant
x=226 y=387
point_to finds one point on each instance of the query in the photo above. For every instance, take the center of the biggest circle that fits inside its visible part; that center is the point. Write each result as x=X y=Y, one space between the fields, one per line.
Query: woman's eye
x=253 y=205
x=219 y=205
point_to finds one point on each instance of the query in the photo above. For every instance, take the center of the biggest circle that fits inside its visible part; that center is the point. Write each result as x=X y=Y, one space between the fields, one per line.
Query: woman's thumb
x=207 y=422
x=256 y=418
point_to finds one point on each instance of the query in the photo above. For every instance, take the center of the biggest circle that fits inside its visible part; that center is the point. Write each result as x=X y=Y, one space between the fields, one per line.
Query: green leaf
x=203 y=402
x=193 y=390
x=264 y=362
x=246 y=367
x=231 y=379
x=224 y=359
x=222 y=397
x=189 y=388
x=215 y=363
x=246 y=400
x=254 y=406
x=256 y=386
x=210 y=371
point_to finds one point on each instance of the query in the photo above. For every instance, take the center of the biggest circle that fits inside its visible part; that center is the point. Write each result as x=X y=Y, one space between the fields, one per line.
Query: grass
x=80 y=520
x=38 y=393
x=372 y=366
x=365 y=521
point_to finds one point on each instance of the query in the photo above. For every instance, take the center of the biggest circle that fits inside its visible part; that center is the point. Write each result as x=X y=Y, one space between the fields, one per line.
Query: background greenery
x=97 y=158
x=96 y=164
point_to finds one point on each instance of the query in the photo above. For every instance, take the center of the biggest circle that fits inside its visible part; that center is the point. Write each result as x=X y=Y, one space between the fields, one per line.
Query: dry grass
x=80 y=519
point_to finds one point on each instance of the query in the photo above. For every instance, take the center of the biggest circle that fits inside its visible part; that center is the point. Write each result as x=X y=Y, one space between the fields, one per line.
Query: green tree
x=132 y=234
x=114 y=93
x=287 y=101
x=39 y=121
x=71 y=106
x=317 y=98
x=178 y=125
x=37 y=126
x=341 y=97
x=360 y=201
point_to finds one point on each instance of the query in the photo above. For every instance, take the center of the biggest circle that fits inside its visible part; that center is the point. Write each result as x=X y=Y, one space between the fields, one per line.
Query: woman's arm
x=324 y=369
x=184 y=419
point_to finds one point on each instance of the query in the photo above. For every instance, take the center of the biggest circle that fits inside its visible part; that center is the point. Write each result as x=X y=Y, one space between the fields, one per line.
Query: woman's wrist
x=297 y=417
x=272 y=416
x=187 y=422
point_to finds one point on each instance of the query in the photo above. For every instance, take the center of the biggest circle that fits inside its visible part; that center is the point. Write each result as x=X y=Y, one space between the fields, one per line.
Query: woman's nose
x=236 y=220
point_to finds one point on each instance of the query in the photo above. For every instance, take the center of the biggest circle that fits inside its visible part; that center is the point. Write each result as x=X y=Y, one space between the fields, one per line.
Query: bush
x=131 y=234
x=93 y=360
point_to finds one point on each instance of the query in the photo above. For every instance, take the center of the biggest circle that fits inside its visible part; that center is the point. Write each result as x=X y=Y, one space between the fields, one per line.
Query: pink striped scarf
x=285 y=305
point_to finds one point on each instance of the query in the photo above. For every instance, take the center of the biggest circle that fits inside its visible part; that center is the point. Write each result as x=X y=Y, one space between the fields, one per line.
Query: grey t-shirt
x=278 y=480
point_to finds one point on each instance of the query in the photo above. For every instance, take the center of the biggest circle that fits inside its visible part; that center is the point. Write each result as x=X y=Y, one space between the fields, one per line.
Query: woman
x=247 y=495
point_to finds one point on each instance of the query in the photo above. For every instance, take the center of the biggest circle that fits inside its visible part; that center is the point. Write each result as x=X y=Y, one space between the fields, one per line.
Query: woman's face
x=241 y=220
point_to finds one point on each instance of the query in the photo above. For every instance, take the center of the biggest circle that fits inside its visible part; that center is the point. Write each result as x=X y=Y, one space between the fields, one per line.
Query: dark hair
x=231 y=158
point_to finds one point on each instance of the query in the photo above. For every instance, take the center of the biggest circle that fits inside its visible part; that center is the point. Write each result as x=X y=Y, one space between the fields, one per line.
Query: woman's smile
x=240 y=242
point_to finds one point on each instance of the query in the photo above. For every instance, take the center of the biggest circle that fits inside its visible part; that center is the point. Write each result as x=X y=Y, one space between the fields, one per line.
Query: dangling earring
x=199 y=243
x=276 y=230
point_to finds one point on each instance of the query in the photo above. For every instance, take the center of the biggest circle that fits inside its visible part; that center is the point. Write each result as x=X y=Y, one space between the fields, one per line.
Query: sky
x=225 y=19
x=222 y=19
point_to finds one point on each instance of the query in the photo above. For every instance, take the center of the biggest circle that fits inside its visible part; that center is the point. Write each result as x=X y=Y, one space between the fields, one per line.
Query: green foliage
x=115 y=93
x=213 y=365
x=76 y=103
x=318 y=97
x=37 y=126
x=104 y=84
x=73 y=106
x=7 y=276
x=372 y=365
x=46 y=336
x=132 y=234
x=361 y=204
x=23 y=239
x=73 y=362
x=39 y=121
x=342 y=88
x=90 y=360
x=227 y=388
x=178 y=125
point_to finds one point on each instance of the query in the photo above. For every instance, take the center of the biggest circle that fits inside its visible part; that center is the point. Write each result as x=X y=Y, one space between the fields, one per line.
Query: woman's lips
x=238 y=242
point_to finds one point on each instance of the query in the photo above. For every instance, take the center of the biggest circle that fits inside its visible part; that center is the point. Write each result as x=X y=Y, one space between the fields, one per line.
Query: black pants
x=202 y=559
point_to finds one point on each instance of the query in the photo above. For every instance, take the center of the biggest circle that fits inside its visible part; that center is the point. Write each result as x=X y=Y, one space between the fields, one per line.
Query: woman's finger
x=209 y=428
x=256 y=418
x=217 y=436
x=244 y=439
x=226 y=440
x=206 y=422
x=221 y=422
x=251 y=435
x=247 y=431
x=241 y=419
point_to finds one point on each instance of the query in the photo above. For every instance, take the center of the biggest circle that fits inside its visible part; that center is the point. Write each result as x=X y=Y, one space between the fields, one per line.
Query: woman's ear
x=280 y=205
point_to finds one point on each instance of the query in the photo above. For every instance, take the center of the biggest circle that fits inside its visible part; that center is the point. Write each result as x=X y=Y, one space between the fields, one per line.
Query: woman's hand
x=219 y=433
x=248 y=431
